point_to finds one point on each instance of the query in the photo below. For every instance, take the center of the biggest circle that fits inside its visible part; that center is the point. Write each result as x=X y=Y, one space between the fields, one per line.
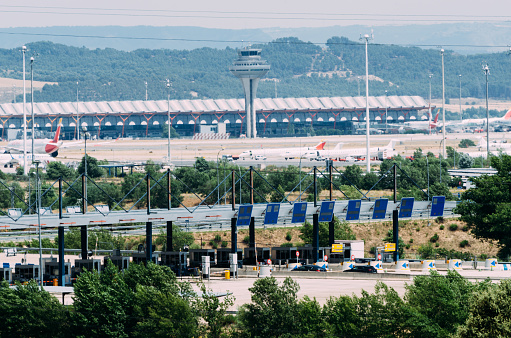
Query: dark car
x=310 y=268
x=362 y=268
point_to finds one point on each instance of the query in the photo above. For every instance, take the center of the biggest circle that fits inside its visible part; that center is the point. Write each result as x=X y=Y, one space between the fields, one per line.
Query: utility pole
x=366 y=37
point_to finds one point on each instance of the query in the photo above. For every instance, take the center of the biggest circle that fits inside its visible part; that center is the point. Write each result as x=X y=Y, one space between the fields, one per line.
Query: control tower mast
x=250 y=68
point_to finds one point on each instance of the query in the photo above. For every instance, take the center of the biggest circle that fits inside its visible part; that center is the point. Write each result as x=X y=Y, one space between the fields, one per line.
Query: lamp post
x=429 y=118
x=486 y=71
x=85 y=136
x=25 y=168
x=366 y=38
x=77 y=115
x=461 y=112
x=218 y=176
x=386 y=130
x=168 y=120
x=146 y=90
x=32 y=99
x=443 y=104
x=38 y=197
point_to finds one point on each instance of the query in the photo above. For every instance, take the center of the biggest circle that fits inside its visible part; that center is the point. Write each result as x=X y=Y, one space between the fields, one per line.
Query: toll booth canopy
x=249 y=257
x=25 y=272
x=121 y=262
x=176 y=260
x=196 y=257
x=222 y=257
x=141 y=257
x=6 y=273
x=350 y=248
x=51 y=271
x=82 y=264
x=282 y=255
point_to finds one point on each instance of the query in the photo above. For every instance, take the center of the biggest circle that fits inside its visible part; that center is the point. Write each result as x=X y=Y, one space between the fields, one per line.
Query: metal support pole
x=331 y=237
x=84 y=194
x=395 y=226
x=395 y=182
x=330 y=175
x=60 y=197
x=315 y=237
x=84 y=241
x=251 y=233
x=169 y=236
x=148 y=196
x=234 y=235
x=315 y=186
x=251 y=185
x=169 y=189
x=149 y=241
x=233 y=200
x=62 y=268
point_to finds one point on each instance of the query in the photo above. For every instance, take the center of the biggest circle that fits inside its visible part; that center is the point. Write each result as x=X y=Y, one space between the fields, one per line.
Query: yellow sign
x=337 y=248
x=390 y=246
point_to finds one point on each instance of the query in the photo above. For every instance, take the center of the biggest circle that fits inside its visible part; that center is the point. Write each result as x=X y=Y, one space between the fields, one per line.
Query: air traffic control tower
x=250 y=68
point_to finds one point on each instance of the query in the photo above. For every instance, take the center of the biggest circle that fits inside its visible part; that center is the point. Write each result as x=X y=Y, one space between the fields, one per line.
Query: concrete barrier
x=492 y=264
x=454 y=264
x=428 y=265
x=347 y=265
x=506 y=267
x=322 y=264
x=291 y=266
x=402 y=265
x=264 y=271
x=378 y=265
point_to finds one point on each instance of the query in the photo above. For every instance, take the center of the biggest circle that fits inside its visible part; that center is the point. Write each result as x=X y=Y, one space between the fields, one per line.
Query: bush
x=437 y=245
x=407 y=246
x=218 y=238
x=426 y=251
x=453 y=227
x=439 y=220
x=286 y=245
x=372 y=251
x=288 y=236
x=442 y=227
x=224 y=244
x=464 y=243
x=465 y=228
x=246 y=239
x=411 y=240
x=434 y=238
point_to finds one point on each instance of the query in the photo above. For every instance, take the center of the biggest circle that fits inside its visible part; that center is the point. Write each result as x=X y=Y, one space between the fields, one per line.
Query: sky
x=248 y=14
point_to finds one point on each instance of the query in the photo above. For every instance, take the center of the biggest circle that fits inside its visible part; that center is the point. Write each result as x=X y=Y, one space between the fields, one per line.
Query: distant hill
x=492 y=37
x=298 y=69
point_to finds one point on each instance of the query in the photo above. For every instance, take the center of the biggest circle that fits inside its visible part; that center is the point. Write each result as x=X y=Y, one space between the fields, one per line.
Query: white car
x=260 y=157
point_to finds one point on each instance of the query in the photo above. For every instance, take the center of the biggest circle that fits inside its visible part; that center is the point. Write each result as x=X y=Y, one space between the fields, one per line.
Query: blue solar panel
x=244 y=215
x=272 y=213
x=437 y=207
x=380 y=208
x=406 y=207
x=353 y=210
x=327 y=211
x=299 y=212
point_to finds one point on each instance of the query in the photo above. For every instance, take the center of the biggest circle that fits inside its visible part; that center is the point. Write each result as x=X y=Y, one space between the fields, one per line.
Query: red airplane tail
x=57 y=133
x=320 y=145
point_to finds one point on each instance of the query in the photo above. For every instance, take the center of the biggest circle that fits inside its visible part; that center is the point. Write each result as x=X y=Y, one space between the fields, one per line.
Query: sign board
x=325 y=258
x=268 y=261
x=390 y=247
x=353 y=213
x=326 y=212
x=297 y=253
x=272 y=213
x=244 y=215
x=337 y=248
x=379 y=257
x=380 y=208
x=437 y=206
x=406 y=207
x=352 y=257
x=299 y=212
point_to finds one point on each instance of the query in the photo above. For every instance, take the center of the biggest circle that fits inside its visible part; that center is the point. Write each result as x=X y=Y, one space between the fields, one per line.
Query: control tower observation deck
x=250 y=68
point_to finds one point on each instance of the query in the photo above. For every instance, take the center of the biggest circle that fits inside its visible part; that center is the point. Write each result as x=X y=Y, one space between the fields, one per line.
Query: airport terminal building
x=276 y=117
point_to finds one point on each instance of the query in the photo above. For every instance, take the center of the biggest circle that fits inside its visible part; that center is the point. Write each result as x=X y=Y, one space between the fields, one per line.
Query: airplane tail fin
x=57 y=133
x=338 y=146
x=320 y=145
x=482 y=143
x=508 y=115
x=436 y=118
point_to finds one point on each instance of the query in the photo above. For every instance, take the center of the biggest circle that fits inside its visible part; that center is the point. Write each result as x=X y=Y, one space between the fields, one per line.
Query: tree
x=342 y=230
x=165 y=132
x=93 y=170
x=486 y=208
x=56 y=169
x=465 y=161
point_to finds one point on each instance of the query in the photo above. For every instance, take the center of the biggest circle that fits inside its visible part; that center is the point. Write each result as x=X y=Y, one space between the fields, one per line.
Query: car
x=310 y=268
x=362 y=268
x=260 y=157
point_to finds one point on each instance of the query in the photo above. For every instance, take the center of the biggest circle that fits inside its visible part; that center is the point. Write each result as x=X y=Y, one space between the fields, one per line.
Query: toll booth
x=51 y=271
x=85 y=264
x=250 y=255
x=121 y=262
x=6 y=273
x=141 y=257
x=222 y=257
x=325 y=251
x=196 y=257
x=176 y=260
x=25 y=272
x=282 y=255
x=350 y=248
x=305 y=255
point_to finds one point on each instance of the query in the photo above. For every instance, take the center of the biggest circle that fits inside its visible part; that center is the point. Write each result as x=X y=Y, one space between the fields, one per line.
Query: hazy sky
x=247 y=14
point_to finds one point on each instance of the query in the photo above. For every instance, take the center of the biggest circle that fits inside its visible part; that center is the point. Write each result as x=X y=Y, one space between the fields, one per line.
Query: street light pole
x=25 y=168
x=85 y=134
x=386 y=131
x=486 y=71
x=461 y=112
x=146 y=90
x=218 y=176
x=38 y=196
x=168 y=120
x=77 y=115
x=443 y=104
x=366 y=37
x=32 y=100
x=429 y=119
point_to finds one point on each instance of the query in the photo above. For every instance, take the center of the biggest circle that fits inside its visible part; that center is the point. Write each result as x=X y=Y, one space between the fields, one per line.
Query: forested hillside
x=300 y=69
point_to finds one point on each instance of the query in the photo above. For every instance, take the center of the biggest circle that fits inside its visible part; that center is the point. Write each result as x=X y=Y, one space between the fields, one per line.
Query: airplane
x=353 y=153
x=417 y=125
x=41 y=146
x=10 y=160
x=284 y=152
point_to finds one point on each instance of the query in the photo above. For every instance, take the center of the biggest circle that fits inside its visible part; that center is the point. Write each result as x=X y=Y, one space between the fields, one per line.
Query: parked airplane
x=354 y=153
x=417 y=125
x=284 y=152
x=41 y=146
x=14 y=160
